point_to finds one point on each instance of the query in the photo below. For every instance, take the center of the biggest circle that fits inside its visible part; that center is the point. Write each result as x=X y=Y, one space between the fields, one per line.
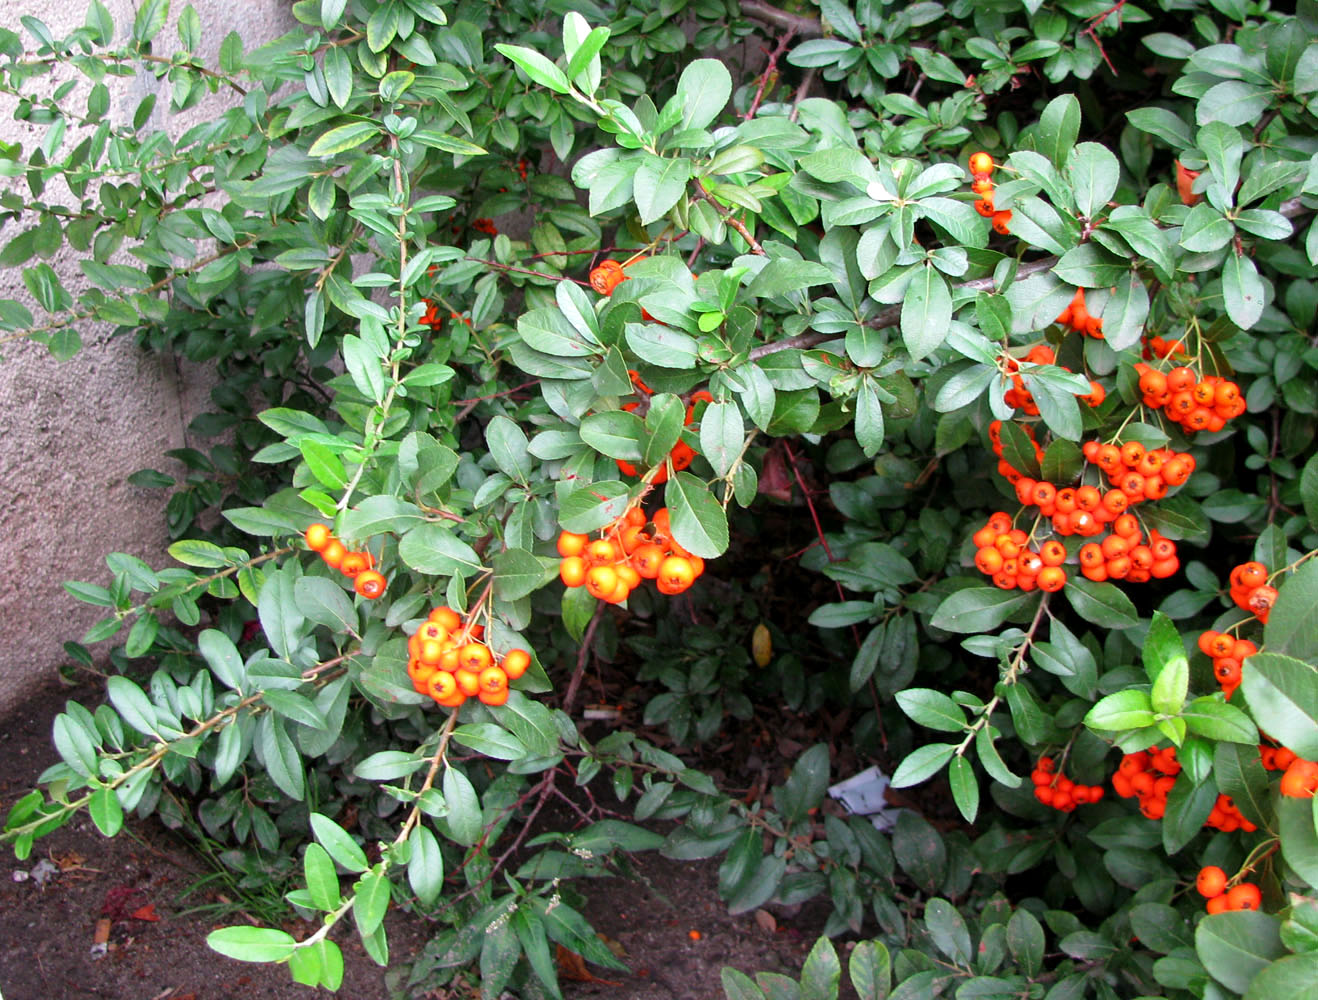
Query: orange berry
x=468 y=682
x=1218 y=903
x=1253 y=574
x=988 y=561
x=572 y=571
x=677 y=573
x=1245 y=896
x=447 y=617
x=571 y=544
x=515 y=663
x=370 y=584
x=333 y=553
x=601 y=552
x=1300 y=780
x=647 y=559
x=1052 y=578
x=601 y=581
x=475 y=657
x=606 y=277
x=443 y=687
x=493 y=679
x=981 y=163
x=1052 y=552
x=354 y=563
x=1210 y=882
x=318 y=536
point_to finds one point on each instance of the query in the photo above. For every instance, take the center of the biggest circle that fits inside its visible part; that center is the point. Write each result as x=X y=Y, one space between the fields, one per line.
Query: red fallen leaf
x=147 y=912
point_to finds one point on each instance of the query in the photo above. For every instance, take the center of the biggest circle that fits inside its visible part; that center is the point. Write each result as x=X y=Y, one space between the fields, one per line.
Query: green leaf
x=870 y=969
x=372 y=891
x=659 y=184
x=339 y=843
x=509 y=448
x=926 y=312
x=1242 y=290
x=1188 y=805
x=979 y=609
x=322 y=880
x=1058 y=127
x=517 y=574
x=281 y=758
x=615 y=433
x=965 y=787
x=491 y=740
x=922 y=764
x=434 y=549
x=1120 y=711
x=1239 y=773
x=703 y=91
x=1094 y=175
x=1025 y=940
x=932 y=709
x=105 y=811
x=345 y=137
x=782 y=276
x=821 y=973
x=1292 y=626
x=131 y=702
x=721 y=434
x=536 y=66
x=425 y=869
x=151 y=17
x=388 y=765
x=1219 y=721
x=1283 y=698
x=1294 y=977
x=1236 y=947
x=252 y=944
x=1299 y=843
x=464 y=821
x=699 y=522
x=1102 y=604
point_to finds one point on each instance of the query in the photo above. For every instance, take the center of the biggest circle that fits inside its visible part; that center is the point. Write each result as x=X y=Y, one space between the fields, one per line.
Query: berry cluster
x=1227 y=818
x=1019 y=397
x=522 y=166
x=981 y=170
x=357 y=566
x=432 y=318
x=613 y=565
x=1299 y=779
x=1196 y=403
x=1059 y=791
x=1250 y=590
x=1227 y=653
x=682 y=453
x=1005 y=468
x=1124 y=555
x=1002 y=553
x=1212 y=885
x=1076 y=317
x=1140 y=473
x=1149 y=776
x=607 y=276
x=448 y=662
x=1157 y=347
x=485 y=226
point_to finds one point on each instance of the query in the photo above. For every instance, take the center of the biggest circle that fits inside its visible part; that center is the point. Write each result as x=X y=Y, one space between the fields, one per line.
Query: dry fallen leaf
x=766 y=921
x=573 y=966
x=147 y=912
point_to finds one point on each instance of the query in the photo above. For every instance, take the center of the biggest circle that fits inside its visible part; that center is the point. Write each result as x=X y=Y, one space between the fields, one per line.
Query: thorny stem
x=730 y=217
x=769 y=70
x=1009 y=676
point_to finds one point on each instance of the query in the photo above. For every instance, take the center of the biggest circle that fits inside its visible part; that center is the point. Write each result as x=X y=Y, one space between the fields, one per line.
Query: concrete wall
x=73 y=431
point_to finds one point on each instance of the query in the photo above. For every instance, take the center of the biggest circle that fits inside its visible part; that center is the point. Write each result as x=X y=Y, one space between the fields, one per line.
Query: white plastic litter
x=863 y=795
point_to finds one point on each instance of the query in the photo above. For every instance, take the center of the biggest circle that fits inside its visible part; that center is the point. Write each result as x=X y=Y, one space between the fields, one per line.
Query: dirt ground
x=47 y=924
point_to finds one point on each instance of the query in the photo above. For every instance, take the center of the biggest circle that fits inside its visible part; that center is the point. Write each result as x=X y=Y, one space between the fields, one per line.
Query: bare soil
x=47 y=930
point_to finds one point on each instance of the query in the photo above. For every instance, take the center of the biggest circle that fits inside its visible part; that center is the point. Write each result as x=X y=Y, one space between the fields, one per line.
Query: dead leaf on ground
x=147 y=912
x=766 y=921
x=573 y=966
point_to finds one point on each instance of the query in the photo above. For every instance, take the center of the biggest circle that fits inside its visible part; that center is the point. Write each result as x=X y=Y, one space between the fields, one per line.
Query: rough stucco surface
x=73 y=431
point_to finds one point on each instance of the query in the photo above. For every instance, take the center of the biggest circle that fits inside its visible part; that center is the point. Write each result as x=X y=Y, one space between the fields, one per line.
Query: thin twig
x=582 y=657
x=796 y=23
